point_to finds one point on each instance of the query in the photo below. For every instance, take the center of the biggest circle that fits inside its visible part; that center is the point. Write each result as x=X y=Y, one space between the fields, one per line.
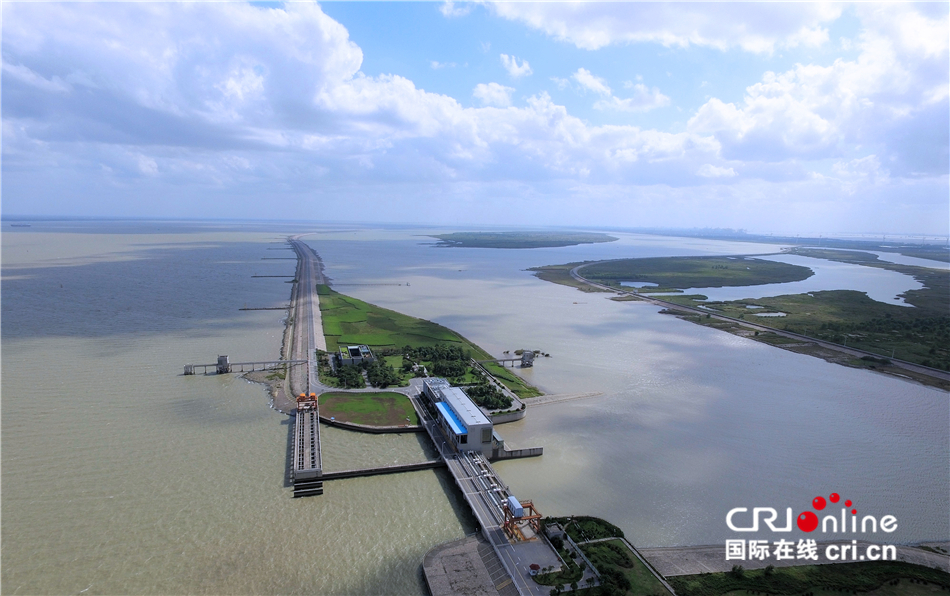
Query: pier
x=394 y=469
x=224 y=365
x=308 y=460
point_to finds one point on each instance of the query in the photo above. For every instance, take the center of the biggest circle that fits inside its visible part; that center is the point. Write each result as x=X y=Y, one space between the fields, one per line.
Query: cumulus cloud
x=755 y=27
x=260 y=88
x=894 y=91
x=137 y=99
x=590 y=82
x=643 y=99
x=493 y=94
x=515 y=70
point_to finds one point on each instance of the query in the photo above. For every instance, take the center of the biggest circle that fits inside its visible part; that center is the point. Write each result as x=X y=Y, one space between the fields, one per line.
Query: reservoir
x=157 y=483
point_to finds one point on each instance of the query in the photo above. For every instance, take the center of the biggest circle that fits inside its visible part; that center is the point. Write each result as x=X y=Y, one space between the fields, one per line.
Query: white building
x=465 y=425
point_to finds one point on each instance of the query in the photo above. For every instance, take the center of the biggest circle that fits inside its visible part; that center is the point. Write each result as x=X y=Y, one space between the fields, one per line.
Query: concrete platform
x=468 y=567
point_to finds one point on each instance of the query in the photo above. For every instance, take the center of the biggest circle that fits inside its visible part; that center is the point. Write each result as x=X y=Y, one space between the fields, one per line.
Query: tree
x=574 y=586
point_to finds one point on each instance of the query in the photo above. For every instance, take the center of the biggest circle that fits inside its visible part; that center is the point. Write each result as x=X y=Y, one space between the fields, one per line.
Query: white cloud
x=894 y=91
x=711 y=171
x=514 y=70
x=643 y=100
x=493 y=94
x=137 y=97
x=24 y=74
x=453 y=9
x=591 y=82
x=436 y=65
x=754 y=27
x=147 y=165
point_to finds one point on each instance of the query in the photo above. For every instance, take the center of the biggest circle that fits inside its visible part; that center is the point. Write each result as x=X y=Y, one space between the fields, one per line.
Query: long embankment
x=917 y=369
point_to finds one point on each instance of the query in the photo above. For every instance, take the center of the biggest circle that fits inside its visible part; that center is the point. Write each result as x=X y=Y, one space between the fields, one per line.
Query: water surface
x=121 y=476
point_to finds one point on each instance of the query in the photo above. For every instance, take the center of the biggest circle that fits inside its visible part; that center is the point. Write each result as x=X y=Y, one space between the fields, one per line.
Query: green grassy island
x=405 y=346
x=679 y=273
x=520 y=239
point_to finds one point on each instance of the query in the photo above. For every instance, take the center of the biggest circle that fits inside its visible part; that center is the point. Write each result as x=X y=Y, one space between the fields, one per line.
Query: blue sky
x=773 y=117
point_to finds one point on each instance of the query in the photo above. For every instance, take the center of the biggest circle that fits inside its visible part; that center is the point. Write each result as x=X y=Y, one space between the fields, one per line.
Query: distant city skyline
x=775 y=118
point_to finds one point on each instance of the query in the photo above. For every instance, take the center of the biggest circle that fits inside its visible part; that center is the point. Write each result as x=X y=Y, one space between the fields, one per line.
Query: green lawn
x=695 y=272
x=881 y=577
x=349 y=321
x=614 y=554
x=384 y=408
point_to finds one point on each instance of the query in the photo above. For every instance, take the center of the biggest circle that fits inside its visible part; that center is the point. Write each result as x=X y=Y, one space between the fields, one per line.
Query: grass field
x=520 y=239
x=349 y=321
x=561 y=274
x=614 y=554
x=883 y=578
x=384 y=408
x=920 y=334
x=695 y=272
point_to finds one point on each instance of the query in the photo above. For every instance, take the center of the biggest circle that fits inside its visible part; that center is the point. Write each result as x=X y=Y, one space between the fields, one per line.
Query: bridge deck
x=486 y=493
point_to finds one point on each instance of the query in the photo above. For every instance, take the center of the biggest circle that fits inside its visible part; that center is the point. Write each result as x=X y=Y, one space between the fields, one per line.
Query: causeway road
x=308 y=326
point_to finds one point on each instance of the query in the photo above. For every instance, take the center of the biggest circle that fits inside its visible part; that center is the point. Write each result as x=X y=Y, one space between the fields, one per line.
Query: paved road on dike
x=931 y=372
x=308 y=325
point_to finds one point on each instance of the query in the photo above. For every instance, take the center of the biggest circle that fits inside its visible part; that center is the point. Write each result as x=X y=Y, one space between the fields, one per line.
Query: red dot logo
x=847 y=503
x=807 y=521
x=834 y=498
x=854 y=512
x=818 y=503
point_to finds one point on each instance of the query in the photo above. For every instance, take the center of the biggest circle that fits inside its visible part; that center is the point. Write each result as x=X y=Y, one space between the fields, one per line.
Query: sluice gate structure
x=308 y=460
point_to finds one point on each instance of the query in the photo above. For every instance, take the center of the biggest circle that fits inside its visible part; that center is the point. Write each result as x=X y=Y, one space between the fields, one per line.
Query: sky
x=808 y=118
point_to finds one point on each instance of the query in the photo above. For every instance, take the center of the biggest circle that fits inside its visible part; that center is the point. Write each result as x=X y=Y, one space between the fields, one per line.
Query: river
x=120 y=475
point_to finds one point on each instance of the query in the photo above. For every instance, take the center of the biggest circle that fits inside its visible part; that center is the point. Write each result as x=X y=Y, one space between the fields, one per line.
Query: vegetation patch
x=621 y=571
x=373 y=409
x=816 y=580
x=695 y=272
x=405 y=346
x=561 y=274
x=520 y=239
x=851 y=318
x=582 y=528
x=920 y=334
